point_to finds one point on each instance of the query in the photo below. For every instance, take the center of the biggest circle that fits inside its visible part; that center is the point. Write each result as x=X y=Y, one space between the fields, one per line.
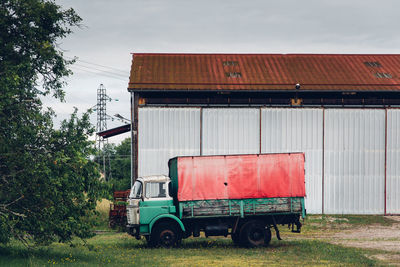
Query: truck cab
x=149 y=203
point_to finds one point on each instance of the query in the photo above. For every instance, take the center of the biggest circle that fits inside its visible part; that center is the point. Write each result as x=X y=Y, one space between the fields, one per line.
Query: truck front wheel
x=255 y=234
x=164 y=234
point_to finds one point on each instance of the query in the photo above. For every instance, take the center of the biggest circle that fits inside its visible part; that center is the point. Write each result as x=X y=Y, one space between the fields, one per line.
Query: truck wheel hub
x=167 y=238
x=256 y=235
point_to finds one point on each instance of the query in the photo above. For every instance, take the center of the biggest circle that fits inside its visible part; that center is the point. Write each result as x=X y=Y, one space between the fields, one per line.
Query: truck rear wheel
x=164 y=234
x=255 y=234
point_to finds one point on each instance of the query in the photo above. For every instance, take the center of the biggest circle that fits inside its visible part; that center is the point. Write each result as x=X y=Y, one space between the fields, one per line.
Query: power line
x=109 y=72
x=97 y=73
x=91 y=63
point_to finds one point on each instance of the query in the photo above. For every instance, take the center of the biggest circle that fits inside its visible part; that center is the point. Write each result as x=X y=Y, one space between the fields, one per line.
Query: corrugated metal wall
x=354 y=161
x=165 y=133
x=231 y=131
x=297 y=130
x=393 y=162
x=345 y=148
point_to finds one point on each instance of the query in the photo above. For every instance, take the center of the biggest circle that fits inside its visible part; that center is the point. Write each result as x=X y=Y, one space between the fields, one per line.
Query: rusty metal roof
x=258 y=72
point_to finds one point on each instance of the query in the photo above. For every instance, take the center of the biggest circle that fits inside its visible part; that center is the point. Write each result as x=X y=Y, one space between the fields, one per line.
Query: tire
x=254 y=234
x=164 y=234
x=112 y=224
x=267 y=236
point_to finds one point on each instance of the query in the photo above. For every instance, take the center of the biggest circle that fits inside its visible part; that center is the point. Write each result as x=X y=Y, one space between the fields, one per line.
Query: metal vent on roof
x=230 y=63
x=233 y=74
x=383 y=75
x=372 y=64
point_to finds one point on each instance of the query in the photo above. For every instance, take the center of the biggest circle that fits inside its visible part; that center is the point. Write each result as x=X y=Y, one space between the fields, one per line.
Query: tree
x=120 y=164
x=49 y=186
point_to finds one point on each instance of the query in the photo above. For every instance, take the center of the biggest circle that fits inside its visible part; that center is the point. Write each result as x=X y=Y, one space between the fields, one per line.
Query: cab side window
x=156 y=190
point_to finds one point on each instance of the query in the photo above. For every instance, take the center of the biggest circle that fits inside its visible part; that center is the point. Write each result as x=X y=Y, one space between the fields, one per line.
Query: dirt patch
x=372 y=232
x=394 y=218
x=391 y=246
x=376 y=237
x=393 y=260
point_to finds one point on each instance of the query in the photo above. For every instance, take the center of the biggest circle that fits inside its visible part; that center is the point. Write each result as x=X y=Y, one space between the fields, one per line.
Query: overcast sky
x=112 y=30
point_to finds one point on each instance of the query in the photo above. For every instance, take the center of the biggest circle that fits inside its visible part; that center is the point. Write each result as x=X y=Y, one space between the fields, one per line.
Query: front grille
x=128 y=216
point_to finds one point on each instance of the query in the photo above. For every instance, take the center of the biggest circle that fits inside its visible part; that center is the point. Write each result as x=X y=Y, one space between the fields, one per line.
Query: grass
x=101 y=220
x=359 y=220
x=119 y=249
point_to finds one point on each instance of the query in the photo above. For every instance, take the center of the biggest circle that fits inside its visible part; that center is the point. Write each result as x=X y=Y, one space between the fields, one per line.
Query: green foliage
x=48 y=187
x=51 y=188
x=120 y=164
x=29 y=30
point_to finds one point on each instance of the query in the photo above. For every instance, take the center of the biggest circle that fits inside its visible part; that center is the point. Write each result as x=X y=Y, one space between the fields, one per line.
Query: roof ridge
x=260 y=54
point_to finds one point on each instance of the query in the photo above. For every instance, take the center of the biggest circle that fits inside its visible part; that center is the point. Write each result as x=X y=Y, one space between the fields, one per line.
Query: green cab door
x=156 y=202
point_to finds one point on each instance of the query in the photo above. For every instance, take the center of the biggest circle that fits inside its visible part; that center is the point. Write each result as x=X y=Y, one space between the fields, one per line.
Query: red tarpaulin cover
x=241 y=176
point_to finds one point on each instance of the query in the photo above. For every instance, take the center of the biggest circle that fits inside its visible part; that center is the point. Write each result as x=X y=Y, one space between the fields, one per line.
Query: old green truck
x=242 y=196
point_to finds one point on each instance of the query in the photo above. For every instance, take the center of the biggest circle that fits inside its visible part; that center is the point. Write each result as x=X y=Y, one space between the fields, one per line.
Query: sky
x=112 y=30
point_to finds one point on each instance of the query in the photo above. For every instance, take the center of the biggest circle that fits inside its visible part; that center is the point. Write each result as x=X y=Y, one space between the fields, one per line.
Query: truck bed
x=241 y=207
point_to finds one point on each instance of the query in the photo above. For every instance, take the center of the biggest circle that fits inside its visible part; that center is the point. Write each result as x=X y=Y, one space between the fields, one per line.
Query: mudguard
x=162 y=216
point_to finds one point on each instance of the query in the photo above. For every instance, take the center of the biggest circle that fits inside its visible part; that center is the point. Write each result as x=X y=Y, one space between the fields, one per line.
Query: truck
x=241 y=196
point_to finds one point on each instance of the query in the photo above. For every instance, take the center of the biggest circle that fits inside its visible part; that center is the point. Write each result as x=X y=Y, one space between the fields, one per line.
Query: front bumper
x=133 y=230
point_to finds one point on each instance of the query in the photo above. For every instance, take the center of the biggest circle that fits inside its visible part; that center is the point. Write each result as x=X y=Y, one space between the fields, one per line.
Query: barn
x=341 y=110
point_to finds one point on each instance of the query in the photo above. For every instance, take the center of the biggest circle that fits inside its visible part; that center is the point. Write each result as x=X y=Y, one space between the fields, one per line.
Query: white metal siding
x=231 y=131
x=165 y=133
x=354 y=148
x=297 y=130
x=393 y=162
x=354 y=161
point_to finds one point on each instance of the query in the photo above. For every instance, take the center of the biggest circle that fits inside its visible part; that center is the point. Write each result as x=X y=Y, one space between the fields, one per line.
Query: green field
x=119 y=249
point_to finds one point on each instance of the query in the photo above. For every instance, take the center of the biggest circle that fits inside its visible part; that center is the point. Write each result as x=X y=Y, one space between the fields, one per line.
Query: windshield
x=136 y=191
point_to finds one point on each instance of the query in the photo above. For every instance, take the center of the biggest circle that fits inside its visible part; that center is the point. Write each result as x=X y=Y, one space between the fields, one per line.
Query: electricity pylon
x=101 y=142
